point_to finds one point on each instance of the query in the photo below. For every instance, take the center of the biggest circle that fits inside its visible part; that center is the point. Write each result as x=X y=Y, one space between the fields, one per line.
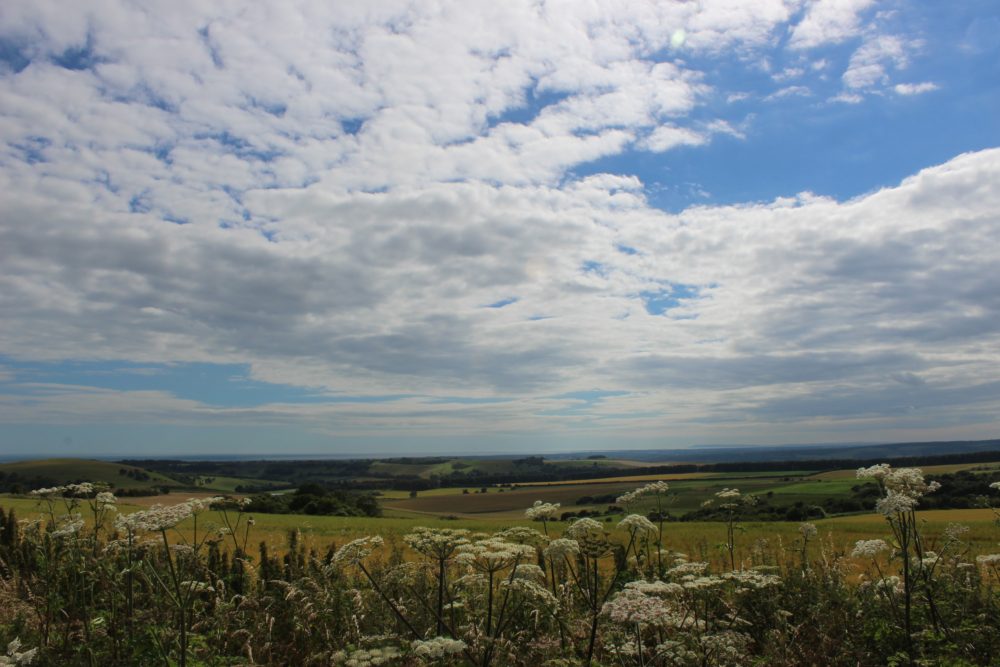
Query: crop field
x=687 y=493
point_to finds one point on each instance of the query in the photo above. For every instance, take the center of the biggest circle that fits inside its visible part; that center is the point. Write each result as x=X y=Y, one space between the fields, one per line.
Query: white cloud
x=789 y=91
x=828 y=21
x=870 y=64
x=666 y=137
x=360 y=179
x=915 y=88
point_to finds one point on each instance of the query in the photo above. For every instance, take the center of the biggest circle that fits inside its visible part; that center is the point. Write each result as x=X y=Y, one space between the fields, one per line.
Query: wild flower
x=728 y=494
x=15 y=656
x=905 y=482
x=542 y=511
x=367 y=657
x=807 y=530
x=157 y=518
x=657 y=587
x=631 y=606
x=438 y=543
x=638 y=525
x=954 y=531
x=106 y=500
x=492 y=554
x=653 y=488
x=751 y=579
x=877 y=472
x=702 y=583
x=436 y=648
x=356 y=551
x=82 y=490
x=48 y=492
x=531 y=592
x=869 y=548
x=529 y=571
x=562 y=548
x=895 y=503
x=992 y=560
x=523 y=535
x=686 y=569
x=995 y=486
x=584 y=528
x=591 y=537
x=70 y=526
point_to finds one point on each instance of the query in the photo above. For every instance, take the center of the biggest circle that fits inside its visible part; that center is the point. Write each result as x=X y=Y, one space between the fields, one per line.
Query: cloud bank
x=381 y=202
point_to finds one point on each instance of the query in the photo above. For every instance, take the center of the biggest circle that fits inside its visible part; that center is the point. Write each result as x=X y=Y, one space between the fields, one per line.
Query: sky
x=310 y=227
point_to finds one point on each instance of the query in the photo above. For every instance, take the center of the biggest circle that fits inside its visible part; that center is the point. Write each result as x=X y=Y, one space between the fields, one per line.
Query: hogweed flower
x=591 y=537
x=542 y=511
x=562 y=548
x=656 y=587
x=654 y=488
x=492 y=554
x=906 y=482
x=895 y=503
x=631 y=606
x=354 y=552
x=69 y=526
x=523 y=535
x=869 y=548
x=106 y=500
x=437 y=648
x=438 y=543
x=15 y=656
x=370 y=657
x=638 y=525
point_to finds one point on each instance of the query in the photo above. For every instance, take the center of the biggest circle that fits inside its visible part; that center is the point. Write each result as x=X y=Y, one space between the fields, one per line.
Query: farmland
x=318 y=571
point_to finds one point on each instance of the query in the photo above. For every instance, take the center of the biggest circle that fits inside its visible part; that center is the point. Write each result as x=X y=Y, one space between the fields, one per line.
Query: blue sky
x=496 y=227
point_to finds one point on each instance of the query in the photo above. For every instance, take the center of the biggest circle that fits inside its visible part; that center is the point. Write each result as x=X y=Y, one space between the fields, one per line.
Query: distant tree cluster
x=316 y=500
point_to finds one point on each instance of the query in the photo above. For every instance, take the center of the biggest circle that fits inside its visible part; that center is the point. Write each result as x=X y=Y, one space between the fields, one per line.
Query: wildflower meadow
x=86 y=584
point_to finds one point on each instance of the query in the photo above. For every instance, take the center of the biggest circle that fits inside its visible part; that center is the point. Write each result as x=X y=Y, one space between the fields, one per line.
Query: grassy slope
x=66 y=471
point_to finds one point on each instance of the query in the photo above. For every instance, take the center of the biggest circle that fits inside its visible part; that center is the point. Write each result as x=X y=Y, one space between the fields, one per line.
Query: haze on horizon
x=476 y=227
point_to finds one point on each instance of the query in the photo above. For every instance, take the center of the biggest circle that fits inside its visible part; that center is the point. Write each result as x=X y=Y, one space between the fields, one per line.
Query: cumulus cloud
x=915 y=88
x=334 y=193
x=828 y=21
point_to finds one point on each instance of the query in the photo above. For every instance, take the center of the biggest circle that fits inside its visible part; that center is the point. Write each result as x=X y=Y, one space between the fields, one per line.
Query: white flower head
x=869 y=548
x=562 y=548
x=895 y=503
x=354 y=552
x=654 y=488
x=638 y=525
x=542 y=511
x=437 y=543
x=437 y=648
